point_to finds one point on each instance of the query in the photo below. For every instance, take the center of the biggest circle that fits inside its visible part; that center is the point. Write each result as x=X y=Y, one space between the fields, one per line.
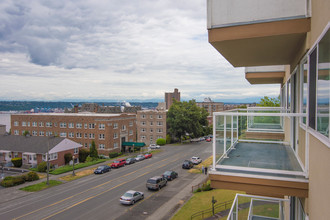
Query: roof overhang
x=260 y=44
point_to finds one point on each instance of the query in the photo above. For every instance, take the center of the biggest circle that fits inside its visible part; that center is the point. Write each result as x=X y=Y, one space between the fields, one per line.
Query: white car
x=196 y=160
x=154 y=146
x=130 y=197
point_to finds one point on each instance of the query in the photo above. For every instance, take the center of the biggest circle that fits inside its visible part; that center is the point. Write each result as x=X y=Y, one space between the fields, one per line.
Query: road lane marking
x=29 y=213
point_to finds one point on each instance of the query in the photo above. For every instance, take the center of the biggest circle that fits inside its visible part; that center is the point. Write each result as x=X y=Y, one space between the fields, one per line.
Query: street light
x=73 y=174
x=48 y=158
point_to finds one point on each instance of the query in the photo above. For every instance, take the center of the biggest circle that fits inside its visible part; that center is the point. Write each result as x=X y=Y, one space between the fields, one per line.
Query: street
x=97 y=196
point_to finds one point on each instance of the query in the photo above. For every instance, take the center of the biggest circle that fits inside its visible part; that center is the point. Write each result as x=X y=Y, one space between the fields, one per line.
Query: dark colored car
x=170 y=175
x=187 y=164
x=102 y=169
x=118 y=163
x=147 y=155
x=130 y=161
x=156 y=182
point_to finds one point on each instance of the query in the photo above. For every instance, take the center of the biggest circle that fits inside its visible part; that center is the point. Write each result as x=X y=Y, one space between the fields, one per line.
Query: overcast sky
x=113 y=50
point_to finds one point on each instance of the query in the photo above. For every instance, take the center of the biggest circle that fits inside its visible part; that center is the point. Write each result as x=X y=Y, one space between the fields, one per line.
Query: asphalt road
x=97 y=196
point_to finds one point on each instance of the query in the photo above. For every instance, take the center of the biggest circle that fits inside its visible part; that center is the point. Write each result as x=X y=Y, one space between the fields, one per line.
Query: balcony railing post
x=224 y=135
x=232 y=130
x=214 y=141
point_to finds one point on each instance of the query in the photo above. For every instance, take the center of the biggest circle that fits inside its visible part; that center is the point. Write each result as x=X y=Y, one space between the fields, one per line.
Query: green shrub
x=67 y=158
x=168 y=139
x=198 y=190
x=113 y=155
x=207 y=187
x=161 y=141
x=31 y=176
x=83 y=154
x=93 y=151
x=42 y=167
x=17 y=161
x=89 y=159
x=12 y=181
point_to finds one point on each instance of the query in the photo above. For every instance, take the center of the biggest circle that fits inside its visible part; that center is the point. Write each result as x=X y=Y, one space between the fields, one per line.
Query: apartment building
x=108 y=131
x=151 y=125
x=278 y=156
x=169 y=96
x=211 y=106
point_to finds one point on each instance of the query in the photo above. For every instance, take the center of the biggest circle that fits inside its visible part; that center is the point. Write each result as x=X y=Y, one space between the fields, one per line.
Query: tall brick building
x=108 y=131
x=169 y=96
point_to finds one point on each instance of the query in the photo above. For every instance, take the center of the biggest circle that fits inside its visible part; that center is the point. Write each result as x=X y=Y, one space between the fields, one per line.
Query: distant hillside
x=28 y=105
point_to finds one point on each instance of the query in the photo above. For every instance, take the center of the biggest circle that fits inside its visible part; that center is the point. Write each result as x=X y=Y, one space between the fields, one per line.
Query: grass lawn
x=198 y=168
x=68 y=168
x=202 y=200
x=78 y=175
x=41 y=186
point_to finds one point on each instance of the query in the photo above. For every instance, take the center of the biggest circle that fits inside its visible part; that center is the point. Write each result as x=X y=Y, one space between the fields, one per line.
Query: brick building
x=108 y=131
x=151 y=125
x=169 y=96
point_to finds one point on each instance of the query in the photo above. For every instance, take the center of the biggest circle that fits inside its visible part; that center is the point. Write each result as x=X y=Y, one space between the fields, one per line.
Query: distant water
x=5 y=119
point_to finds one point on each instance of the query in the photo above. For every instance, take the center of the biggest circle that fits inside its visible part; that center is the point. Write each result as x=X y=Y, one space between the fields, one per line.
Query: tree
x=93 y=151
x=186 y=118
x=83 y=154
x=67 y=158
x=26 y=133
x=269 y=102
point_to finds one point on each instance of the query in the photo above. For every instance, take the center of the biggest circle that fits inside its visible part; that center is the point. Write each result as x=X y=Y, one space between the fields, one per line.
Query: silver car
x=130 y=197
x=139 y=157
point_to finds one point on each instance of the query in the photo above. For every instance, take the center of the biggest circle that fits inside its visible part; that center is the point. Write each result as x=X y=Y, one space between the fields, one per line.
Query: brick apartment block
x=108 y=131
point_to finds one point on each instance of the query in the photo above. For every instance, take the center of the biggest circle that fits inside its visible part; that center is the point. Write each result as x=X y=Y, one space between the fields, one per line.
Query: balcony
x=254 y=151
x=258 y=32
x=265 y=74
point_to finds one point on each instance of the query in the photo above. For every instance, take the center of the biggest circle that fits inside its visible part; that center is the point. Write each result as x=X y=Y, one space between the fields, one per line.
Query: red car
x=118 y=163
x=208 y=139
x=147 y=155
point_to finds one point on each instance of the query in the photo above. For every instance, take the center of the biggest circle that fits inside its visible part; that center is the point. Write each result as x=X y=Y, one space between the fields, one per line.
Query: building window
x=16 y=132
x=115 y=125
x=143 y=123
x=16 y=123
x=115 y=145
x=101 y=146
x=91 y=126
x=151 y=130
x=86 y=145
x=150 y=116
x=130 y=123
x=63 y=134
x=48 y=124
x=101 y=136
x=151 y=123
x=78 y=125
x=85 y=126
x=71 y=134
x=41 y=133
x=143 y=137
x=15 y=154
x=41 y=124
x=53 y=156
x=86 y=135
x=143 y=130
x=304 y=88
x=159 y=123
x=123 y=127
x=130 y=132
x=159 y=130
x=151 y=138
x=159 y=116
x=101 y=126
x=34 y=124
x=71 y=125
x=35 y=133
x=78 y=135
x=76 y=151
x=91 y=136
x=159 y=137
x=143 y=116
x=23 y=123
x=115 y=135
x=62 y=125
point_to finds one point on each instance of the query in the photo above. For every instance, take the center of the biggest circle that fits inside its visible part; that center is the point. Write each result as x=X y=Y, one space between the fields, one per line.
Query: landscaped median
x=41 y=186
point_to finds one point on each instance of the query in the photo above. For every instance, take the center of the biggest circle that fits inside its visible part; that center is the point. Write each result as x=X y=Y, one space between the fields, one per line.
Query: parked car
x=195 y=140
x=187 y=164
x=156 y=183
x=102 y=169
x=208 y=139
x=130 y=197
x=196 y=160
x=154 y=146
x=139 y=157
x=130 y=161
x=147 y=155
x=202 y=139
x=118 y=163
x=170 y=175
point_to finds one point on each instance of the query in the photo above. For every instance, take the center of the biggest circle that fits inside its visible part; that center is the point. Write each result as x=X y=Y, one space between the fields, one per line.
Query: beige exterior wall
x=151 y=125
x=302 y=145
x=117 y=127
x=319 y=179
x=211 y=107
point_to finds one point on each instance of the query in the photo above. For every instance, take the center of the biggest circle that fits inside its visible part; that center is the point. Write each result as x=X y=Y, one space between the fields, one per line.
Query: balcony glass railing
x=224 y=13
x=257 y=207
x=256 y=140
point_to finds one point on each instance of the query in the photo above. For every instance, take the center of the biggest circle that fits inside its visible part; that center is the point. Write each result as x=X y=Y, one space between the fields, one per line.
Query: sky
x=114 y=50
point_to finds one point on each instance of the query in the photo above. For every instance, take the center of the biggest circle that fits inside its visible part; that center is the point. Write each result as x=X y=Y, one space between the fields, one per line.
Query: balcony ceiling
x=261 y=44
x=265 y=77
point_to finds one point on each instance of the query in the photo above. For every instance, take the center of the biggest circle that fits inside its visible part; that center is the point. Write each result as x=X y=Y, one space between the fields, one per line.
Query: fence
x=193 y=188
x=209 y=212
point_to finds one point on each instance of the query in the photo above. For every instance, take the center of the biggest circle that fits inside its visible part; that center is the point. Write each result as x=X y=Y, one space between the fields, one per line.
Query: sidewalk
x=167 y=210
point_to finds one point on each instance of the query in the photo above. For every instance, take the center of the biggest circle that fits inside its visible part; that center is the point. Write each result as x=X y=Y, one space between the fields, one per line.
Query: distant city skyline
x=114 y=50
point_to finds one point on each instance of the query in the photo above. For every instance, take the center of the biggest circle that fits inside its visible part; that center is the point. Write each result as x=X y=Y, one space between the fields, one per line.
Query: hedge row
x=115 y=154
x=17 y=161
x=17 y=180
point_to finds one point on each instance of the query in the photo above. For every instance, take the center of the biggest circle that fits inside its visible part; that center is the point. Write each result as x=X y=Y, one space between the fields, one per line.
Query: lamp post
x=48 y=162
x=73 y=174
